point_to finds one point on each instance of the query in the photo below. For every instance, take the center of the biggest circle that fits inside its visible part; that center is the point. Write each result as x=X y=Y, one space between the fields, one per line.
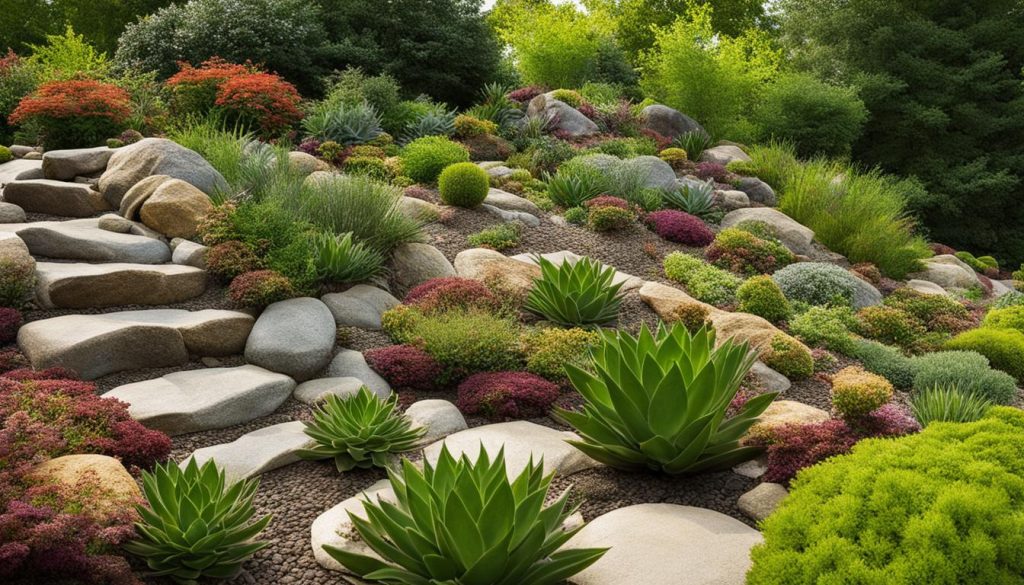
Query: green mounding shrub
x=772 y=162
x=576 y=215
x=423 y=159
x=937 y=312
x=947 y=404
x=703 y=281
x=744 y=252
x=693 y=316
x=549 y=349
x=574 y=184
x=368 y=166
x=788 y=357
x=361 y=430
x=195 y=525
x=816 y=283
x=500 y=237
x=352 y=87
x=967 y=370
x=1004 y=348
x=575 y=293
x=346 y=124
x=889 y=325
x=762 y=297
x=1009 y=318
x=827 y=327
x=941 y=506
x=1010 y=299
x=5 y=154
x=341 y=259
x=658 y=401
x=17 y=283
x=886 y=361
x=608 y=218
x=692 y=198
x=466 y=522
x=463 y=185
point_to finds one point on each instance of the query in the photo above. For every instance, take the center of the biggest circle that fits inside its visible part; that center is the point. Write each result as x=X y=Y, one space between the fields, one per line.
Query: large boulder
x=795 y=236
x=294 y=337
x=360 y=306
x=55 y=198
x=71 y=285
x=724 y=154
x=865 y=294
x=156 y=156
x=11 y=213
x=668 y=122
x=490 y=265
x=84 y=240
x=440 y=418
x=306 y=164
x=758 y=191
x=115 y=490
x=176 y=209
x=65 y=165
x=563 y=117
x=509 y=202
x=416 y=263
x=656 y=173
x=132 y=201
x=947 y=271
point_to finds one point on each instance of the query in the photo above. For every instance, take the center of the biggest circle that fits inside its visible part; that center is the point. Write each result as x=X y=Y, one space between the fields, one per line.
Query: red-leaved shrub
x=261 y=288
x=607 y=201
x=229 y=259
x=503 y=395
x=715 y=171
x=75 y=113
x=12 y=359
x=680 y=227
x=261 y=101
x=523 y=95
x=194 y=89
x=10 y=321
x=405 y=367
x=439 y=295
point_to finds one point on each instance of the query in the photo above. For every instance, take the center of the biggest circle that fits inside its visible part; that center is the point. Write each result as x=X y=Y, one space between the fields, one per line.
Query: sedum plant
x=196 y=526
x=361 y=430
x=464 y=523
x=338 y=258
x=660 y=400
x=575 y=293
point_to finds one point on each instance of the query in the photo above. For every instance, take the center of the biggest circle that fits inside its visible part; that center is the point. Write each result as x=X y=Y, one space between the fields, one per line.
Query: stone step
x=97 y=345
x=257 y=452
x=69 y=285
x=55 y=198
x=84 y=240
x=20 y=169
x=201 y=400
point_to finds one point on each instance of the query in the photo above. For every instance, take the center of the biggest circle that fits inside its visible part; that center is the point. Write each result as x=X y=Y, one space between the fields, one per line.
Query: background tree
x=942 y=82
x=28 y=22
x=638 y=19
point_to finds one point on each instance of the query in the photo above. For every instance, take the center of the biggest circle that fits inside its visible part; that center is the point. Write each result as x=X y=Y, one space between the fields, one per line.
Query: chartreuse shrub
x=423 y=159
x=500 y=237
x=549 y=349
x=948 y=404
x=464 y=522
x=828 y=327
x=5 y=154
x=705 y=282
x=361 y=430
x=659 y=400
x=941 y=506
x=967 y=370
x=1004 y=348
x=856 y=392
x=788 y=357
x=575 y=293
x=762 y=297
x=463 y=185
x=1009 y=318
x=196 y=526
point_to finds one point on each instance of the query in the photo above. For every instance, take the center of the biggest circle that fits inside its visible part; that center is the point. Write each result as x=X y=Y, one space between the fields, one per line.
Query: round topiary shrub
x=816 y=283
x=788 y=357
x=405 y=367
x=260 y=288
x=5 y=154
x=967 y=370
x=762 y=297
x=463 y=185
x=423 y=159
x=1004 y=348
x=504 y=395
x=857 y=392
x=940 y=506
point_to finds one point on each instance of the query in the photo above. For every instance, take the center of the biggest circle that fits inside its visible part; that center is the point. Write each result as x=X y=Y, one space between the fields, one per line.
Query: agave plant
x=495 y=106
x=659 y=401
x=463 y=523
x=693 y=197
x=196 y=526
x=361 y=430
x=948 y=404
x=437 y=121
x=575 y=293
x=694 y=143
x=341 y=259
x=345 y=124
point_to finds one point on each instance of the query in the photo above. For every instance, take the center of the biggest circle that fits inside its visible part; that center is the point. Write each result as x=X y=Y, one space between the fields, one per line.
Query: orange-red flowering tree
x=74 y=113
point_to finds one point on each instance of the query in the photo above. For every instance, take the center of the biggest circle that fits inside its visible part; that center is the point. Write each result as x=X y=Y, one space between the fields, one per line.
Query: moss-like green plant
x=361 y=430
x=1004 y=348
x=575 y=293
x=659 y=401
x=463 y=185
x=423 y=159
x=195 y=525
x=762 y=297
x=500 y=237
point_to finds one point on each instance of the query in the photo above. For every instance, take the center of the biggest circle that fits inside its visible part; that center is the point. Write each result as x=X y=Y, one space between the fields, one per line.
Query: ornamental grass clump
x=948 y=404
x=660 y=401
x=361 y=430
x=196 y=525
x=575 y=293
x=340 y=259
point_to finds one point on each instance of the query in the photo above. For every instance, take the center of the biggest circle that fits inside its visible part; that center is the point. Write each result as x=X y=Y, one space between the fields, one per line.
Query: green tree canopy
x=27 y=22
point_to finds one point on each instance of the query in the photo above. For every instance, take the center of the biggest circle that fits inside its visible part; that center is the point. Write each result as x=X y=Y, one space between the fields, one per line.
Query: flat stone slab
x=521 y=440
x=97 y=345
x=294 y=337
x=349 y=363
x=360 y=306
x=759 y=503
x=629 y=282
x=666 y=544
x=78 y=286
x=65 y=165
x=55 y=198
x=315 y=391
x=334 y=527
x=200 y=400
x=20 y=169
x=257 y=452
x=511 y=202
x=84 y=240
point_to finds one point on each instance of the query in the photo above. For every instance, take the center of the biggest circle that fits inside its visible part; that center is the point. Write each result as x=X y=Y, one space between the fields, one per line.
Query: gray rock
x=999 y=289
x=926 y=287
x=724 y=154
x=11 y=213
x=360 y=306
x=510 y=202
x=753 y=469
x=440 y=417
x=294 y=337
x=65 y=165
x=796 y=237
x=668 y=545
x=334 y=527
x=418 y=209
x=55 y=198
x=415 y=263
x=769 y=378
x=947 y=271
x=20 y=169
x=668 y=122
x=20 y=150
x=85 y=241
x=758 y=191
x=306 y=164
x=659 y=174
x=113 y=222
x=349 y=363
x=496 y=171
x=200 y=400
x=315 y=391
x=189 y=253
x=731 y=200
x=510 y=216
x=760 y=502
x=865 y=294
x=131 y=203
x=562 y=116
x=34 y=155
x=156 y=156
x=70 y=285
x=257 y=452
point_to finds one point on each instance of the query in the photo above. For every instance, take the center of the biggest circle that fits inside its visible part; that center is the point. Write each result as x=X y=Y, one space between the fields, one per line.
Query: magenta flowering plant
x=405 y=367
x=680 y=227
x=507 y=395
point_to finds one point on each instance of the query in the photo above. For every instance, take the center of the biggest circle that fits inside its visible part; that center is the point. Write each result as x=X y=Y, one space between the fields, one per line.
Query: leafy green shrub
x=825 y=326
x=361 y=430
x=856 y=392
x=463 y=185
x=5 y=154
x=506 y=534
x=886 y=361
x=575 y=293
x=196 y=525
x=1010 y=299
x=341 y=259
x=467 y=126
x=889 y=325
x=368 y=166
x=817 y=118
x=549 y=349
x=829 y=526
x=659 y=413
x=229 y=259
x=788 y=357
x=675 y=157
x=608 y=218
x=762 y=297
x=260 y=288
x=947 y=404
x=967 y=370
x=937 y=312
x=745 y=253
x=17 y=282
x=423 y=159
x=576 y=215
x=1009 y=318
x=693 y=316
x=1004 y=348
x=816 y=283
x=703 y=281
x=500 y=237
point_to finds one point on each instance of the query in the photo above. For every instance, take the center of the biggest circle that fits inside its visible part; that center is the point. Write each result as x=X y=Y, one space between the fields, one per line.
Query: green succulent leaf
x=575 y=293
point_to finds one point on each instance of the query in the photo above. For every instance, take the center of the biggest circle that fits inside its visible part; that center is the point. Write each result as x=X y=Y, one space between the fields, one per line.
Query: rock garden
x=552 y=336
